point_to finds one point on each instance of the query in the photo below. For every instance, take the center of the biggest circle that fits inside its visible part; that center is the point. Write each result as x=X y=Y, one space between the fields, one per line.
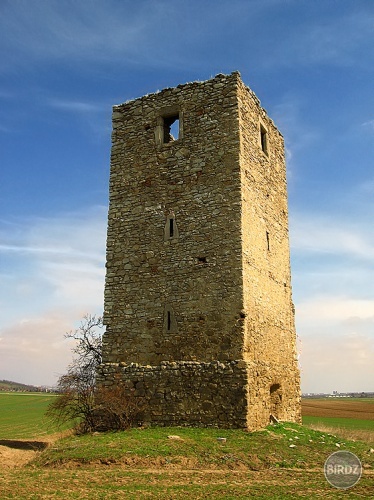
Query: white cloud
x=334 y=299
x=53 y=275
x=330 y=309
x=339 y=358
x=33 y=350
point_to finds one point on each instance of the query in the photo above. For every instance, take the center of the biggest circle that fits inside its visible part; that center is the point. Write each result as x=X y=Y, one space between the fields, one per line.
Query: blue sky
x=63 y=64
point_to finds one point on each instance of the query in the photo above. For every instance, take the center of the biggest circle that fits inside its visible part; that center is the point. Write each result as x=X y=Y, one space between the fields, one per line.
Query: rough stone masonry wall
x=186 y=392
x=196 y=276
x=270 y=338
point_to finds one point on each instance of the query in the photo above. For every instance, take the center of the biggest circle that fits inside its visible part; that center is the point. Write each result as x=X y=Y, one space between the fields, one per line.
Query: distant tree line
x=9 y=386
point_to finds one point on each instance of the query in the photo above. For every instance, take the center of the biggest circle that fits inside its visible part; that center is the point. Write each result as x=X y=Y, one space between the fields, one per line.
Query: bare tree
x=77 y=388
x=80 y=400
x=88 y=349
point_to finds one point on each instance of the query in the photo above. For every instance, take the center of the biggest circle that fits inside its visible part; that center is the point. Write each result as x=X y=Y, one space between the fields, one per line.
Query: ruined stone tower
x=198 y=304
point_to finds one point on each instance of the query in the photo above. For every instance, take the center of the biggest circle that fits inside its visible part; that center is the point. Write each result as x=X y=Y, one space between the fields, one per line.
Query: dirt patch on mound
x=18 y=452
x=15 y=457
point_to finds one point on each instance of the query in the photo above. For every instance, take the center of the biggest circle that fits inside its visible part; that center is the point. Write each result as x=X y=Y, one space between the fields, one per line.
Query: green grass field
x=22 y=415
x=285 y=460
x=346 y=423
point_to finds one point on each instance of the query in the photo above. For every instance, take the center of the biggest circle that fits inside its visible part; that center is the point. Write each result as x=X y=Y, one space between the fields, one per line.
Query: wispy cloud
x=325 y=234
x=103 y=32
x=74 y=106
x=48 y=251
x=341 y=40
x=369 y=125
x=94 y=116
x=289 y=116
x=165 y=33
x=72 y=235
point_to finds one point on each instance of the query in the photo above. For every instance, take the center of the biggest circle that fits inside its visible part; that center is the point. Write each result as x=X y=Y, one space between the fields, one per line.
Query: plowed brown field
x=341 y=408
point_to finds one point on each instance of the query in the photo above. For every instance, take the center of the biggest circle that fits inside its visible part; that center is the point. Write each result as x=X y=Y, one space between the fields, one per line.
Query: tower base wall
x=185 y=393
x=212 y=394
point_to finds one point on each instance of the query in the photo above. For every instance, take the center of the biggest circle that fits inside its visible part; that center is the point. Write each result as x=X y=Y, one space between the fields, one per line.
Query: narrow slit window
x=169 y=321
x=268 y=240
x=171 y=228
x=264 y=139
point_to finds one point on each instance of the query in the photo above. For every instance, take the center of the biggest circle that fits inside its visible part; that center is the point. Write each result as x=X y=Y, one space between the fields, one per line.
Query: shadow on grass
x=24 y=445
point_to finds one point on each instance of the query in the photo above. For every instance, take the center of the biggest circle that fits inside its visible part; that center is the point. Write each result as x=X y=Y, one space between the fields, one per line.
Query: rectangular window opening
x=171 y=128
x=268 y=241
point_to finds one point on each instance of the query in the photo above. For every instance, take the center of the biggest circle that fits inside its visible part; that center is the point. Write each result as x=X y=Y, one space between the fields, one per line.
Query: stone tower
x=198 y=305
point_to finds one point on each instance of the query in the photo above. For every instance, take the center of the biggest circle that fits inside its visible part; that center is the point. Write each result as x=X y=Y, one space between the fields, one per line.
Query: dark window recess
x=171 y=228
x=169 y=321
x=202 y=260
x=171 y=128
x=268 y=240
x=274 y=388
x=264 y=139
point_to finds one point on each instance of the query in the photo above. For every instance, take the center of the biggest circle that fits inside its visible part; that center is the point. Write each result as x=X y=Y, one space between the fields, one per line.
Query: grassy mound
x=283 y=445
x=282 y=461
